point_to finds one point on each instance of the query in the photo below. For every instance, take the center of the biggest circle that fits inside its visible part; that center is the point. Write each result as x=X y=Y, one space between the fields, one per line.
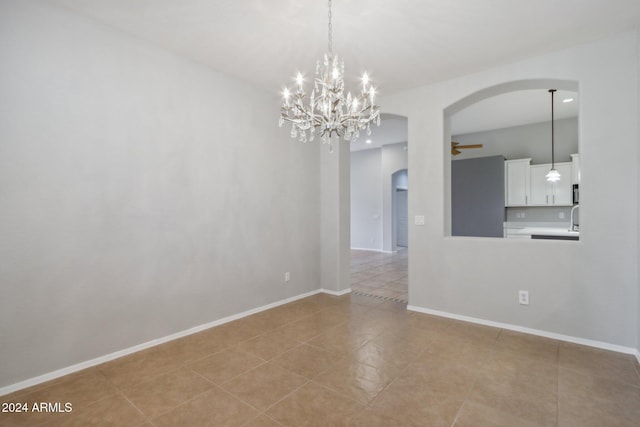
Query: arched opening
x=495 y=174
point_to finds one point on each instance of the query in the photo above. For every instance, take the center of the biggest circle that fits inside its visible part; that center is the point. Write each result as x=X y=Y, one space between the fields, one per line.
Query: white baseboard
x=336 y=293
x=553 y=335
x=106 y=358
x=382 y=251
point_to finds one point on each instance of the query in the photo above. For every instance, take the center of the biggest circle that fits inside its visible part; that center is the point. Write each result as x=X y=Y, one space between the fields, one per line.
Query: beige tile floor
x=379 y=274
x=348 y=361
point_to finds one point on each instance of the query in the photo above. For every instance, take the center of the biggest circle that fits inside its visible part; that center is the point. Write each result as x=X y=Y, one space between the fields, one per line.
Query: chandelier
x=329 y=112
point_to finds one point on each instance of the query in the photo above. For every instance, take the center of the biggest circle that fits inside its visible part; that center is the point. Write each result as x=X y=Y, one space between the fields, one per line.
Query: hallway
x=382 y=275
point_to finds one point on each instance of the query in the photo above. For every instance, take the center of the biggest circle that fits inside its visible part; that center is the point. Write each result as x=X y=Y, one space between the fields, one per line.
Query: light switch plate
x=419 y=220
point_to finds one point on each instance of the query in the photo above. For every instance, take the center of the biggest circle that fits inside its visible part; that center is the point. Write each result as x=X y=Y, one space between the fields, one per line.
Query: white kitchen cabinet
x=545 y=193
x=575 y=168
x=516 y=188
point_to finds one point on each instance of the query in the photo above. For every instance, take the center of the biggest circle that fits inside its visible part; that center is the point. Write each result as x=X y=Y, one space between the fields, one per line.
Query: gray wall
x=334 y=223
x=372 y=194
x=526 y=141
x=477 y=197
x=366 y=199
x=131 y=204
x=638 y=159
x=587 y=290
x=394 y=158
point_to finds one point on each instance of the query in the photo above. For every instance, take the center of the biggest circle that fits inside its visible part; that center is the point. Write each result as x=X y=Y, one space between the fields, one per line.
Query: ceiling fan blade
x=455 y=147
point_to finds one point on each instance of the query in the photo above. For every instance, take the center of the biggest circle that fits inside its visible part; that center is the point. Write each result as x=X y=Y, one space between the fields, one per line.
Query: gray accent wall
x=133 y=205
x=477 y=197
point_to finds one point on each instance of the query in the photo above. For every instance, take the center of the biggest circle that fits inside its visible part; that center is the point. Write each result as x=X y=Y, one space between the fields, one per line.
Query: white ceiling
x=502 y=111
x=392 y=130
x=513 y=109
x=401 y=43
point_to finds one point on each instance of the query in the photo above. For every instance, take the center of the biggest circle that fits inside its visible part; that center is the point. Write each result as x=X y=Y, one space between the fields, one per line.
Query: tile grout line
x=344 y=396
x=150 y=419
x=147 y=419
x=477 y=379
x=281 y=399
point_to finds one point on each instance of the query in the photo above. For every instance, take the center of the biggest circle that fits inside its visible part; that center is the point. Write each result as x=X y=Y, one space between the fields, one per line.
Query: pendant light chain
x=553 y=175
x=330 y=32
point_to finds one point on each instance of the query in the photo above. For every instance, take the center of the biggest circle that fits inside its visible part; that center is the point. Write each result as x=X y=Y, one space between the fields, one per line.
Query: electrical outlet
x=561 y=215
x=523 y=297
x=419 y=220
x=287 y=276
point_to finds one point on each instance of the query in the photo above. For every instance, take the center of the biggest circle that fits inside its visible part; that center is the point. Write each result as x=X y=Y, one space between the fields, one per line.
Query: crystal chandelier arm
x=329 y=112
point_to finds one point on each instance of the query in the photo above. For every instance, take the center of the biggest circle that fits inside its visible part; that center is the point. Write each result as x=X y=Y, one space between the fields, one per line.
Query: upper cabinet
x=545 y=193
x=527 y=185
x=517 y=182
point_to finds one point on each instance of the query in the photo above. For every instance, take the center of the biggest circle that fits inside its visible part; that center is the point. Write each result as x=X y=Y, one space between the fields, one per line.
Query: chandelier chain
x=330 y=31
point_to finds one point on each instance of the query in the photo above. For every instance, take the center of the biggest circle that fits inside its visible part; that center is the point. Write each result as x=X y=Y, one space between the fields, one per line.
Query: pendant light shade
x=553 y=175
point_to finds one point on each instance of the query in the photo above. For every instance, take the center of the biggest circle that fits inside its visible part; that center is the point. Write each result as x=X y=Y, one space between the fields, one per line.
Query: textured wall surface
x=133 y=205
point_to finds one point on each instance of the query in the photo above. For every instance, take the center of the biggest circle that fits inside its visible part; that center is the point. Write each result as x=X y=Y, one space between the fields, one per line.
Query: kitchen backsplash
x=539 y=214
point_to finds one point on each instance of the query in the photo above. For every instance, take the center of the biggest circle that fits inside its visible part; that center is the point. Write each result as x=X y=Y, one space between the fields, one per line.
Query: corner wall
x=133 y=204
x=587 y=290
x=638 y=134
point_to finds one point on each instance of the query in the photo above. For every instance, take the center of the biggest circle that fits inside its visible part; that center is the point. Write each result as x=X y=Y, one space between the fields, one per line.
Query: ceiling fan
x=456 y=147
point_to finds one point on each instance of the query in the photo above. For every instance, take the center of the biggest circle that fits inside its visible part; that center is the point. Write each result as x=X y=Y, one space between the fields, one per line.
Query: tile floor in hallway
x=383 y=275
x=350 y=360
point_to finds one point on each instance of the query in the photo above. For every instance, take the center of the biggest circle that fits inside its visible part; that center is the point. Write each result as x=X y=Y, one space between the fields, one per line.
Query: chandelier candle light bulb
x=328 y=111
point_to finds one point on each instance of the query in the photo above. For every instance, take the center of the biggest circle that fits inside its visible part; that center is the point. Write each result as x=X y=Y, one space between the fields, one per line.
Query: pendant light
x=553 y=175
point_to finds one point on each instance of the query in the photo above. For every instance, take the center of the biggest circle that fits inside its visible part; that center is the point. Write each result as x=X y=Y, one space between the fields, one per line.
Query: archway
x=531 y=85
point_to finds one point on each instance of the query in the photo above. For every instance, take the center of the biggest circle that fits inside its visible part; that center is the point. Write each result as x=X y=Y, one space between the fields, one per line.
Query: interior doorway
x=379 y=212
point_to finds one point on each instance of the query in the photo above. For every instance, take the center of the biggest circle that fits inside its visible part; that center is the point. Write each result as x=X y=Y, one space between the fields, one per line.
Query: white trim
x=638 y=357
x=336 y=293
x=106 y=358
x=553 y=335
x=382 y=251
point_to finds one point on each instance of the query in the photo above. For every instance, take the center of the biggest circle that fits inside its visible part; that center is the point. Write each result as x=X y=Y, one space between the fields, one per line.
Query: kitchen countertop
x=539 y=228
